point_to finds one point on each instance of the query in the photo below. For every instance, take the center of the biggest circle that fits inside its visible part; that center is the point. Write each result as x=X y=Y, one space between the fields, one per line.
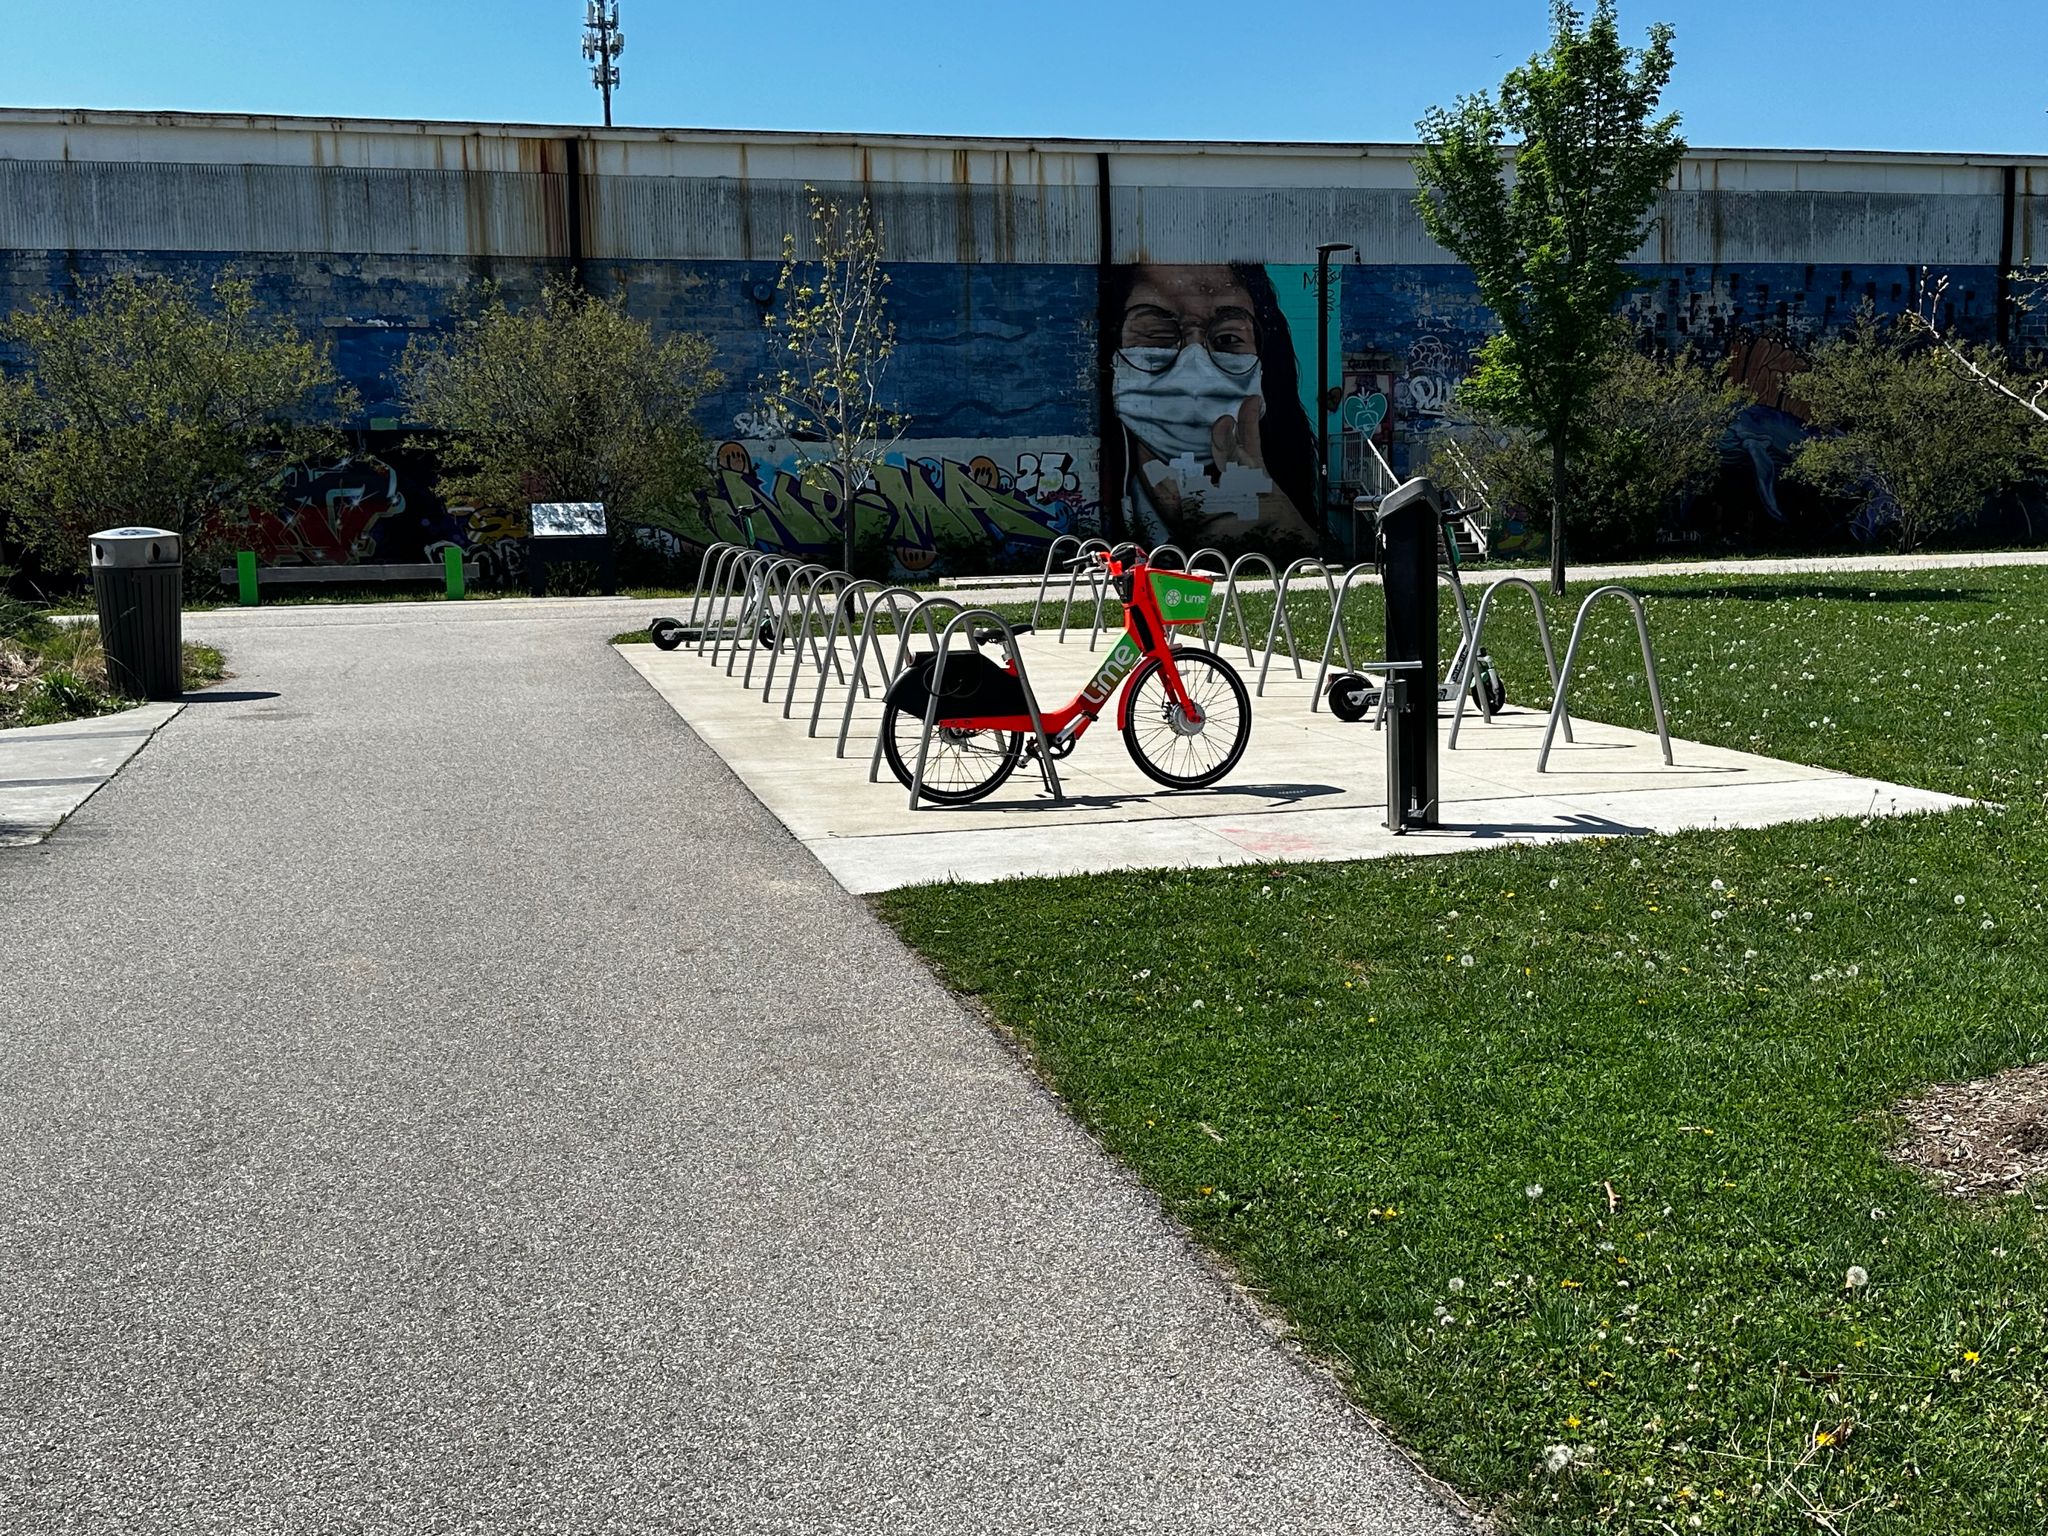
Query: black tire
x=767 y=635
x=1213 y=748
x=665 y=633
x=1351 y=697
x=954 y=759
x=1496 y=690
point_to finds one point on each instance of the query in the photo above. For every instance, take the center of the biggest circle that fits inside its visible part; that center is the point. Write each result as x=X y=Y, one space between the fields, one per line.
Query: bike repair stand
x=1409 y=533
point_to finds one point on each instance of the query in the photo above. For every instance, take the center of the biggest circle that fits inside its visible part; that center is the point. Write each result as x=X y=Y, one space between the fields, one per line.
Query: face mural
x=1216 y=444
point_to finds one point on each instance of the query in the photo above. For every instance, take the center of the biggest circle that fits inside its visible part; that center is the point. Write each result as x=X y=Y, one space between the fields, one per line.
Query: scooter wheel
x=1351 y=697
x=1496 y=691
x=665 y=633
x=767 y=635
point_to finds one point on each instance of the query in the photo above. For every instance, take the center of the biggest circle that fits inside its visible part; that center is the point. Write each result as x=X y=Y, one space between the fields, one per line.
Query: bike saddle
x=990 y=636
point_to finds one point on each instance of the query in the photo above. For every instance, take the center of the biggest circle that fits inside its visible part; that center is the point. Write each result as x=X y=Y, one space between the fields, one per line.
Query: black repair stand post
x=1410 y=530
x=545 y=550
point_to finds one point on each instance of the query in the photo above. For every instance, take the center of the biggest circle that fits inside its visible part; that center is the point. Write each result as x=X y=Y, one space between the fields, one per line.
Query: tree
x=152 y=402
x=1913 y=427
x=837 y=340
x=1652 y=437
x=1546 y=246
x=569 y=399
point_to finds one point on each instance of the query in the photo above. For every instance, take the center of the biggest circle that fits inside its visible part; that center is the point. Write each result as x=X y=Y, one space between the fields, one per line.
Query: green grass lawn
x=1563 y=1156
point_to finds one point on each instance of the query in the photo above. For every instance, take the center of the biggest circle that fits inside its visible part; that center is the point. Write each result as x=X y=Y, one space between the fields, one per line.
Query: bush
x=1906 y=435
x=1652 y=439
x=150 y=402
x=569 y=399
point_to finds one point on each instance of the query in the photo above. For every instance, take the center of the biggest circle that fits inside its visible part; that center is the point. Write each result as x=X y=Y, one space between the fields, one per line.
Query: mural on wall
x=328 y=514
x=1213 y=439
x=977 y=503
x=1766 y=434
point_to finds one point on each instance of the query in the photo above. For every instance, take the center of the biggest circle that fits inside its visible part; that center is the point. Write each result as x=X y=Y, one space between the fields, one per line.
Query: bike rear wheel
x=962 y=766
x=1178 y=752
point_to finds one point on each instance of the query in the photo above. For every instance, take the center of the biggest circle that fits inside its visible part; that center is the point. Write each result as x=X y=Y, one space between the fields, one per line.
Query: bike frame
x=1145 y=637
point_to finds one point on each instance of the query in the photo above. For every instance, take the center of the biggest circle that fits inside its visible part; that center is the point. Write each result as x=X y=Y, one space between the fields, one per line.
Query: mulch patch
x=1988 y=1137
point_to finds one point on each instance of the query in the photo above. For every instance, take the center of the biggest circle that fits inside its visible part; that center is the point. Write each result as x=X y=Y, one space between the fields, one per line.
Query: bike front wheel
x=960 y=766
x=1180 y=752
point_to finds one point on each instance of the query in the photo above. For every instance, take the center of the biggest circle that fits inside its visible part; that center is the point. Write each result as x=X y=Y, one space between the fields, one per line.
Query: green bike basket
x=1182 y=599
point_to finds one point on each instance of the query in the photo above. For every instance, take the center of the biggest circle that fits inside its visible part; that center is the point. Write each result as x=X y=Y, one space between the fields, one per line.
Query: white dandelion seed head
x=1858 y=1277
x=1556 y=1459
x=1533 y=1191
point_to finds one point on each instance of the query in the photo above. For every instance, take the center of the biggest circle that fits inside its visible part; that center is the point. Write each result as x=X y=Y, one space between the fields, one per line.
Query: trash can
x=138 y=582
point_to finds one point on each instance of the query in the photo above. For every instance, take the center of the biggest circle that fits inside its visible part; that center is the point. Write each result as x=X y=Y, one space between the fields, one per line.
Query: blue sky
x=1865 y=74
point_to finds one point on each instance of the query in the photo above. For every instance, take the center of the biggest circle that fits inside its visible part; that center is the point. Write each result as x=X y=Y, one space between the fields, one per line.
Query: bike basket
x=1182 y=599
x=975 y=687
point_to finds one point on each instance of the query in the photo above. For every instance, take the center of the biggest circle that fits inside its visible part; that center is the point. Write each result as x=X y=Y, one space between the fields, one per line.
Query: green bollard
x=245 y=573
x=451 y=562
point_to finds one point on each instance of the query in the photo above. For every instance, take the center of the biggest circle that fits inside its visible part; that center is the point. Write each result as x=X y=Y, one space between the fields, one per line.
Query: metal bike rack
x=924 y=610
x=1222 y=560
x=737 y=580
x=1231 y=603
x=807 y=607
x=790 y=572
x=1152 y=559
x=1074 y=581
x=849 y=595
x=712 y=553
x=894 y=598
x=931 y=709
x=1052 y=558
x=1478 y=634
x=1281 y=621
x=1336 y=639
x=1571 y=655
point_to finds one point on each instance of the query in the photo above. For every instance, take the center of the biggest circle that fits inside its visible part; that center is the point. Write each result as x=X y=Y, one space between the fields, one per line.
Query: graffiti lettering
x=325 y=515
x=922 y=508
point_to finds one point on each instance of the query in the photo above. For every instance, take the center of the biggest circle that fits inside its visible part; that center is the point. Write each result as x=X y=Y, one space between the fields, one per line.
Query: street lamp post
x=1323 y=254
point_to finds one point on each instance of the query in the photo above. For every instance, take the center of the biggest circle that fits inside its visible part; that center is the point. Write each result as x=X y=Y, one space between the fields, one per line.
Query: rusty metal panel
x=1719 y=226
x=747 y=218
x=1266 y=224
x=103 y=205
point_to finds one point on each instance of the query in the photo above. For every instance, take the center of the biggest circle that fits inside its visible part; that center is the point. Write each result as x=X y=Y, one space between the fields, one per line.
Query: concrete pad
x=49 y=771
x=1309 y=788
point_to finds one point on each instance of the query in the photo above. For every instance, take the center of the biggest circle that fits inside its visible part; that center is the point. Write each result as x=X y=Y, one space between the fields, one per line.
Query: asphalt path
x=435 y=1096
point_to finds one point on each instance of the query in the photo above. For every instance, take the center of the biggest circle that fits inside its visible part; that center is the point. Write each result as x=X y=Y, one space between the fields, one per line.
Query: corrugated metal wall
x=180 y=183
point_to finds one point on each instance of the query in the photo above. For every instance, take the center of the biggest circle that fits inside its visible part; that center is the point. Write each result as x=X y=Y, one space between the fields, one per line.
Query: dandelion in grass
x=1533 y=1191
x=1556 y=1459
x=1858 y=1278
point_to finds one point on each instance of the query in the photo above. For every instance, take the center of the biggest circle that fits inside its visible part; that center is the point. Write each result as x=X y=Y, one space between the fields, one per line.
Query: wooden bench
x=251 y=578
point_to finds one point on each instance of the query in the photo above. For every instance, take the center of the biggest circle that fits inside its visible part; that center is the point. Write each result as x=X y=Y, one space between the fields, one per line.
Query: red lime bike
x=1184 y=711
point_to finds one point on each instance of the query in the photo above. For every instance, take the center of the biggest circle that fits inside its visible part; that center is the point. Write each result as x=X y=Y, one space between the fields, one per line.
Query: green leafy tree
x=1913 y=426
x=567 y=399
x=837 y=341
x=150 y=401
x=1652 y=437
x=1544 y=193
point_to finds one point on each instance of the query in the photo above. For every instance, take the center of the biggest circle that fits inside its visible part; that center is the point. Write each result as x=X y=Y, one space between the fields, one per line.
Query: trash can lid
x=135 y=546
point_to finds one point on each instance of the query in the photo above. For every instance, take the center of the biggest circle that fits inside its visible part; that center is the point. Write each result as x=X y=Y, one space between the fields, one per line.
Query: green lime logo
x=1173 y=597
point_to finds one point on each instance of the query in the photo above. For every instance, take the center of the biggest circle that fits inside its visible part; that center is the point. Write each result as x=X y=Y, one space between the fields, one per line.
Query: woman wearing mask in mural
x=1217 y=447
